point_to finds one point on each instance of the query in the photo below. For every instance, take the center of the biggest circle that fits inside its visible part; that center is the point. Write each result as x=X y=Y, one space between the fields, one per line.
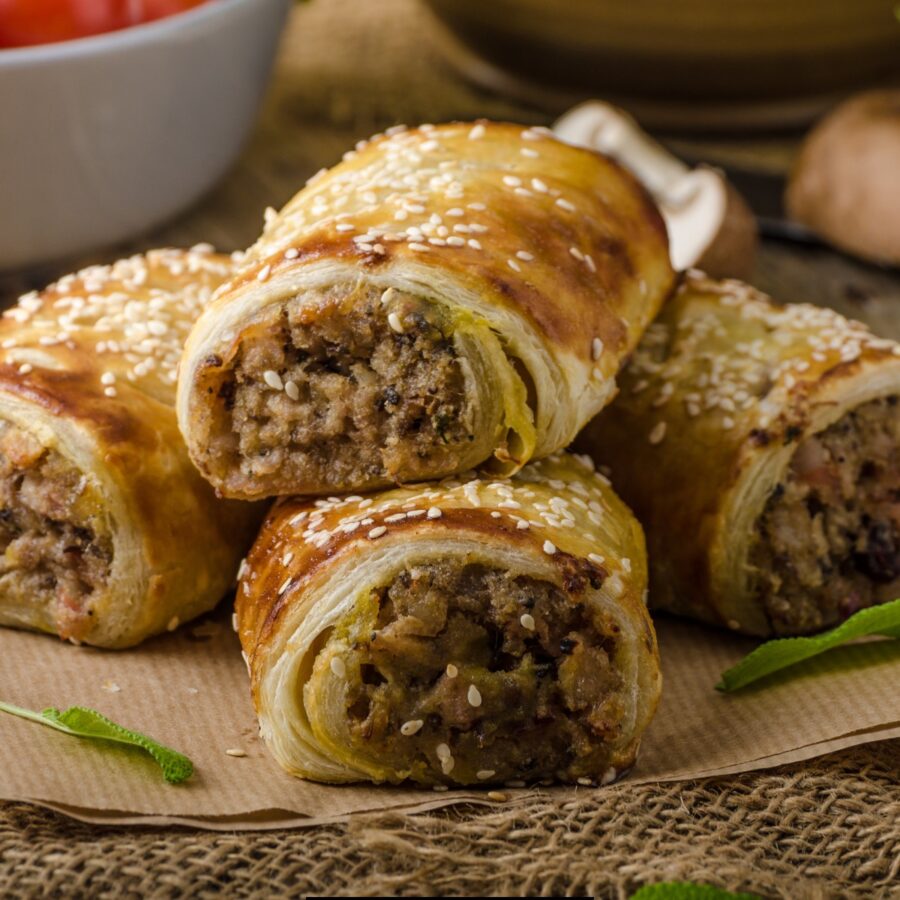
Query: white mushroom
x=710 y=226
x=846 y=183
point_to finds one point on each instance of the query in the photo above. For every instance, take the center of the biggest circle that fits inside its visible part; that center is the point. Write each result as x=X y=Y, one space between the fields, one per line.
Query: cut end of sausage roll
x=435 y=302
x=464 y=673
x=759 y=445
x=828 y=541
x=373 y=388
x=108 y=534
x=56 y=548
x=453 y=633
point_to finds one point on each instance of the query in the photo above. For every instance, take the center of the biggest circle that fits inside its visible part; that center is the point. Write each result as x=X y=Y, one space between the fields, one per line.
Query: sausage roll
x=759 y=445
x=458 y=632
x=443 y=297
x=107 y=532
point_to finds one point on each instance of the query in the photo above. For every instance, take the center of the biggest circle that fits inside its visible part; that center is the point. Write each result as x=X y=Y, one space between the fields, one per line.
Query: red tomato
x=27 y=22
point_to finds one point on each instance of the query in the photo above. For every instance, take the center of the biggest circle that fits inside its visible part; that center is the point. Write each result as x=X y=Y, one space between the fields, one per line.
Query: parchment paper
x=190 y=690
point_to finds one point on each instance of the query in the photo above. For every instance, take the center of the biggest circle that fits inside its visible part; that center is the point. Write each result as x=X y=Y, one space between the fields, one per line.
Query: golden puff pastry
x=444 y=297
x=109 y=535
x=759 y=445
x=461 y=632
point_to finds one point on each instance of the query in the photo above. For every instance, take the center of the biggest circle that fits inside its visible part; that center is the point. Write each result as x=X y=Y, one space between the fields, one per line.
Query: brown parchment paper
x=189 y=690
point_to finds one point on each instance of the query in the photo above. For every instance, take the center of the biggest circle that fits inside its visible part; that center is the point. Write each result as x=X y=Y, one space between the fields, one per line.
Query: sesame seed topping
x=522 y=525
x=549 y=548
x=447 y=764
x=596 y=559
x=434 y=513
x=264 y=273
x=514 y=265
x=576 y=253
x=395 y=323
x=474 y=696
x=512 y=181
x=657 y=433
x=337 y=666
x=408 y=729
x=625 y=562
x=442 y=751
x=524 y=255
x=562 y=203
x=527 y=621
x=376 y=532
x=415 y=245
x=273 y=380
x=451 y=670
x=477 y=132
x=291 y=389
x=284 y=586
x=527 y=151
x=474 y=244
x=110 y=391
x=25 y=368
x=291 y=253
x=596 y=348
x=539 y=186
x=173 y=623
x=585 y=781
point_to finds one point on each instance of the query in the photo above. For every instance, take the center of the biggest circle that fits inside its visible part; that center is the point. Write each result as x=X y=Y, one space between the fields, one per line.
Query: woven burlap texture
x=830 y=828
x=827 y=828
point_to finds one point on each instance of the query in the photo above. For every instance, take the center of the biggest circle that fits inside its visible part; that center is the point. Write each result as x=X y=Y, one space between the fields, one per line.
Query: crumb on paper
x=235 y=751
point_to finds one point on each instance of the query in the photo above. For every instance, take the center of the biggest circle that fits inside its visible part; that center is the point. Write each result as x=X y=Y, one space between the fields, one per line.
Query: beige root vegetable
x=846 y=183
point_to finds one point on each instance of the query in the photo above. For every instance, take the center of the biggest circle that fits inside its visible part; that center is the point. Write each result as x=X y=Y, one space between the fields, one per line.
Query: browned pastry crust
x=108 y=533
x=759 y=445
x=445 y=296
x=460 y=632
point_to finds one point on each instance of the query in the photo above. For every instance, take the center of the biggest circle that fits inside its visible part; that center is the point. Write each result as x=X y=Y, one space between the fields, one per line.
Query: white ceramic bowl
x=103 y=137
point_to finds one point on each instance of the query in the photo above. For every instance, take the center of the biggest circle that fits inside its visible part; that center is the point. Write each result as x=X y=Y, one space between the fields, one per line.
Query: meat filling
x=52 y=557
x=471 y=675
x=365 y=387
x=829 y=538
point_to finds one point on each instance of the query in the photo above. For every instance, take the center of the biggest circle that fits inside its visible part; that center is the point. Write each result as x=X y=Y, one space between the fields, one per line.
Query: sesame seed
x=264 y=273
x=527 y=151
x=408 y=729
x=596 y=348
x=451 y=670
x=477 y=132
x=434 y=513
x=625 y=563
x=527 y=621
x=474 y=696
x=514 y=265
x=273 y=380
x=484 y=774
x=234 y=622
x=512 y=181
x=236 y=752
x=585 y=781
x=524 y=255
x=291 y=253
x=596 y=559
x=442 y=751
x=284 y=586
x=590 y=262
x=291 y=389
x=110 y=391
x=455 y=241
x=107 y=378
x=475 y=245
x=337 y=666
x=549 y=548
x=522 y=525
x=576 y=253
x=456 y=212
x=562 y=203
x=173 y=623
x=25 y=368
x=395 y=323
x=539 y=186
x=658 y=433
x=376 y=532
x=447 y=764
x=415 y=245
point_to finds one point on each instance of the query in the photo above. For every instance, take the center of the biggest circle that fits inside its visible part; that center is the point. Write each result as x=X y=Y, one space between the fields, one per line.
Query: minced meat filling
x=829 y=538
x=346 y=397
x=50 y=554
x=472 y=675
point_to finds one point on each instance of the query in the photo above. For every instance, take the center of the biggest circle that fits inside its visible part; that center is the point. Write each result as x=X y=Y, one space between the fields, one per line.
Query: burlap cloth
x=830 y=827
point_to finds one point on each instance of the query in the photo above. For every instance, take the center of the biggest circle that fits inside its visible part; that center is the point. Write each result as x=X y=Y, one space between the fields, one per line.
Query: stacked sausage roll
x=759 y=446
x=108 y=534
x=445 y=297
x=460 y=632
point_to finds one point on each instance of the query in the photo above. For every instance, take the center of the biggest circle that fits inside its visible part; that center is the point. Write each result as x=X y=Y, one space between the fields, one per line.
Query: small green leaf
x=783 y=652
x=685 y=890
x=88 y=723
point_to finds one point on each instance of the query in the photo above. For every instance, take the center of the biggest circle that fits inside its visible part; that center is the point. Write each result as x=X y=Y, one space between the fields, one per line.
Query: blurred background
x=735 y=84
